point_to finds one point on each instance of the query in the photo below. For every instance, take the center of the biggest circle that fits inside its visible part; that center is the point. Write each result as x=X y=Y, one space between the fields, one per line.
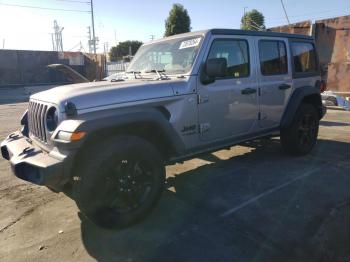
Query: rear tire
x=301 y=137
x=120 y=181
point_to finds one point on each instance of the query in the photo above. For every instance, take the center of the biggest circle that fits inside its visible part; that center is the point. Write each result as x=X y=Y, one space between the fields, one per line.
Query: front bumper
x=30 y=163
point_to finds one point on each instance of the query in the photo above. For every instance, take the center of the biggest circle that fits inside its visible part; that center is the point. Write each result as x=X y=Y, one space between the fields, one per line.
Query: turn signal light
x=70 y=137
x=76 y=136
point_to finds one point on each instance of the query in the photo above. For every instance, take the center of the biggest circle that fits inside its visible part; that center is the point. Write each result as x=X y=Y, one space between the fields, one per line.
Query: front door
x=229 y=106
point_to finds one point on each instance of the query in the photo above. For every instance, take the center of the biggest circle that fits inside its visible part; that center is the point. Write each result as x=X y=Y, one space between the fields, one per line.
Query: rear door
x=275 y=79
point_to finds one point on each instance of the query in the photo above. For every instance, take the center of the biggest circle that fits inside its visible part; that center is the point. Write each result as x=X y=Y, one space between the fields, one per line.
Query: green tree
x=123 y=48
x=178 y=21
x=253 y=20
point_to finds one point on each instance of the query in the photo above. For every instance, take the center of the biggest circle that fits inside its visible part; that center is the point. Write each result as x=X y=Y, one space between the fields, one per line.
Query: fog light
x=5 y=153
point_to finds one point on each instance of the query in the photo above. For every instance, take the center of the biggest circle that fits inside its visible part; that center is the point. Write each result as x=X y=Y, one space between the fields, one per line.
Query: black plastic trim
x=222 y=144
x=150 y=116
x=295 y=100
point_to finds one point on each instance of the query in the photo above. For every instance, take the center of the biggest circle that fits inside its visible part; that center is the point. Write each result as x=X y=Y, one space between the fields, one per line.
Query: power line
x=306 y=14
x=285 y=12
x=73 y=1
x=314 y=18
x=45 y=8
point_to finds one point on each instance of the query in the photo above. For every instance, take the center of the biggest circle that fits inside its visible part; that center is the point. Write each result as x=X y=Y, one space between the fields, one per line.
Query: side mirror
x=213 y=68
x=216 y=67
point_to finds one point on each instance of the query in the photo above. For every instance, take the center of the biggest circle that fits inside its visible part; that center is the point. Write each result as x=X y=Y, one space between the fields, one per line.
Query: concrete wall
x=333 y=45
x=20 y=67
x=302 y=28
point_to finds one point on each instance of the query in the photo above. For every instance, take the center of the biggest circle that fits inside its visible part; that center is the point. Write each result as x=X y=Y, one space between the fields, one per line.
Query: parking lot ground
x=249 y=203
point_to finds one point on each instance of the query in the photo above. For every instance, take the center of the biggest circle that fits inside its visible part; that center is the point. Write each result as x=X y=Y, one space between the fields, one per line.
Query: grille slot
x=36 y=120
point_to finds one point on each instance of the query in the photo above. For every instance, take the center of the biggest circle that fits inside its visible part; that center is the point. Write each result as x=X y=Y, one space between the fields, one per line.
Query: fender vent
x=164 y=112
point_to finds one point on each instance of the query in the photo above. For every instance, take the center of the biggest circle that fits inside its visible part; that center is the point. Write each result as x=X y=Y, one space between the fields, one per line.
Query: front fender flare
x=115 y=121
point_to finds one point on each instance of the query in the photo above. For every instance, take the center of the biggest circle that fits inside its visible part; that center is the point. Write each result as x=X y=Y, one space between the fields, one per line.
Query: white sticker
x=190 y=43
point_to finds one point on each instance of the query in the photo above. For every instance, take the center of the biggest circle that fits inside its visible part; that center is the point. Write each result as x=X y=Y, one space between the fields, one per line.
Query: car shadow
x=187 y=224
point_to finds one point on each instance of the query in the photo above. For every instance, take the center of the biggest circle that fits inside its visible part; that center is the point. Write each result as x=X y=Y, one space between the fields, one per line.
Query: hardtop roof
x=222 y=31
x=257 y=33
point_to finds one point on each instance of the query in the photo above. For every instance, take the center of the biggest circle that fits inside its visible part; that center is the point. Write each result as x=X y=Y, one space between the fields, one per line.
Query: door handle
x=284 y=87
x=248 y=91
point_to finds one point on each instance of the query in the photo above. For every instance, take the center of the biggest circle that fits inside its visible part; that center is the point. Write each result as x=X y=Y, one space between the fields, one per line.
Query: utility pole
x=285 y=12
x=3 y=43
x=115 y=37
x=106 y=48
x=57 y=42
x=93 y=26
x=90 y=40
x=244 y=18
x=152 y=37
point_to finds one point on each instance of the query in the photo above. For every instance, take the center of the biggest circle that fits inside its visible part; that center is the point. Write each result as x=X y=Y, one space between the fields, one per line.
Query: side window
x=236 y=53
x=273 y=57
x=304 y=57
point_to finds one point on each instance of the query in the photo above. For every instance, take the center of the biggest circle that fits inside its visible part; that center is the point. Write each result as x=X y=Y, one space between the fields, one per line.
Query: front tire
x=301 y=137
x=120 y=181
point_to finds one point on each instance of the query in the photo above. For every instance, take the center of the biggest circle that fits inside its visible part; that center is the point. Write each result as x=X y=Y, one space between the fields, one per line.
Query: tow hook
x=13 y=137
x=27 y=151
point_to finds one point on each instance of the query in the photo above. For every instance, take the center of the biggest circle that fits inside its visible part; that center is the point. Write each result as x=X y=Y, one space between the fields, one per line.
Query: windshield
x=175 y=56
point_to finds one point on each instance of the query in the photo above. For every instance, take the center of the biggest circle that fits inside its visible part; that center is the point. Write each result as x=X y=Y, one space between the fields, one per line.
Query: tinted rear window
x=304 y=57
x=273 y=57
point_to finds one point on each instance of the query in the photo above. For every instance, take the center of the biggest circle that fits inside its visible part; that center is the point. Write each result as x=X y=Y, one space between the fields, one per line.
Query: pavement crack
x=25 y=214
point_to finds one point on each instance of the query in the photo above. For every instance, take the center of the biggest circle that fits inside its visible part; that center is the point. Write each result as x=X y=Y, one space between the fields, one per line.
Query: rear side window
x=273 y=57
x=304 y=57
x=236 y=53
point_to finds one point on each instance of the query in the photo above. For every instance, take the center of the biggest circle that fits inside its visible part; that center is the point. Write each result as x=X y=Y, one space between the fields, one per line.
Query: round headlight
x=52 y=119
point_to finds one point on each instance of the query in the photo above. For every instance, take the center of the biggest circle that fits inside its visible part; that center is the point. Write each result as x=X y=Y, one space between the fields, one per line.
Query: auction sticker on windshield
x=190 y=43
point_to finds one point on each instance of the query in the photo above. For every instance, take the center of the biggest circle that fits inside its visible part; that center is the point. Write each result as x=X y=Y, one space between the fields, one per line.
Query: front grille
x=36 y=120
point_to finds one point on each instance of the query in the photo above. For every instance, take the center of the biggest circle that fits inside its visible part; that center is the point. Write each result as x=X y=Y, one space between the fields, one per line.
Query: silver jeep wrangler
x=106 y=144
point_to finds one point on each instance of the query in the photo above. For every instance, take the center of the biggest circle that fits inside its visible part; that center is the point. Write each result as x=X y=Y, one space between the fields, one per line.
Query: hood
x=69 y=72
x=96 y=94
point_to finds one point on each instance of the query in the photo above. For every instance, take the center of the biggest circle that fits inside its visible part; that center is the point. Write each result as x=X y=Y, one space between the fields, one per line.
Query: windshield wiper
x=161 y=74
x=136 y=73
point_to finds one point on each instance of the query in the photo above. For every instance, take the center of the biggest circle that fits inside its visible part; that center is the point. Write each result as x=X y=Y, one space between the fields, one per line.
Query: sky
x=120 y=20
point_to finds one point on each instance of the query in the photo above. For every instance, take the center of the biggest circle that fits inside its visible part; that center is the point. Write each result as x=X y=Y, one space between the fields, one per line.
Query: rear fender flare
x=299 y=95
